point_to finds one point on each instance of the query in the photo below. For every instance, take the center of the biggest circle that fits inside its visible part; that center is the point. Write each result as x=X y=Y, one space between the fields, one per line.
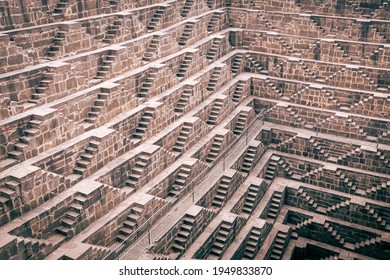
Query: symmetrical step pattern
x=105 y=66
x=146 y=85
x=42 y=90
x=213 y=22
x=185 y=64
x=8 y=194
x=98 y=107
x=214 y=113
x=141 y=163
x=275 y=205
x=179 y=184
x=152 y=49
x=236 y=64
x=252 y=245
x=130 y=224
x=182 y=139
x=221 y=239
x=222 y=192
x=272 y=168
x=214 y=78
x=187 y=7
x=141 y=129
x=113 y=31
x=182 y=103
x=72 y=216
x=213 y=51
x=181 y=240
x=57 y=45
x=239 y=126
x=250 y=199
x=248 y=160
x=25 y=142
x=238 y=92
x=214 y=149
x=278 y=246
x=156 y=19
x=186 y=33
x=85 y=158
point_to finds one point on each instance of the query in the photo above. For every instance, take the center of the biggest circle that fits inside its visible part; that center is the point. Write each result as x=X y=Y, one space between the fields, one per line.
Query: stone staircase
x=252 y=245
x=220 y=197
x=186 y=33
x=183 y=100
x=248 y=160
x=275 y=205
x=298 y=94
x=309 y=200
x=221 y=238
x=238 y=92
x=185 y=64
x=130 y=224
x=113 y=31
x=182 y=139
x=212 y=52
x=213 y=22
x=57 y=45
x=215 y=111
x=285 y=144
x=8 y=194
x=72 y=216
x=313 y=174
x=98 y=107
x=142 y=127
x=278 y=246
x=273 y=88
x=239 y=126
x=380 y=220
x=214 y=149
x=34 y=248
x=272 y=168
x=383 y=158
x=105 y=66
x=214 y=77
x=303 y=224
x=257 y=66
x=373 y=241
x=179 y=184
x=345 y=181
x=141 y=163
x=85 y=158
x=146 y=85
x=236 y=64
x=181 y=241
x=344 y=205
x=334 y=234
x=298 y=120
x=289 y=50
x=43 y=88
x=152 y=49
x=187 y=7
x=156 y=19
x=30 y=133
x=60 y=9
x=379 y=189
x=250 y=199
